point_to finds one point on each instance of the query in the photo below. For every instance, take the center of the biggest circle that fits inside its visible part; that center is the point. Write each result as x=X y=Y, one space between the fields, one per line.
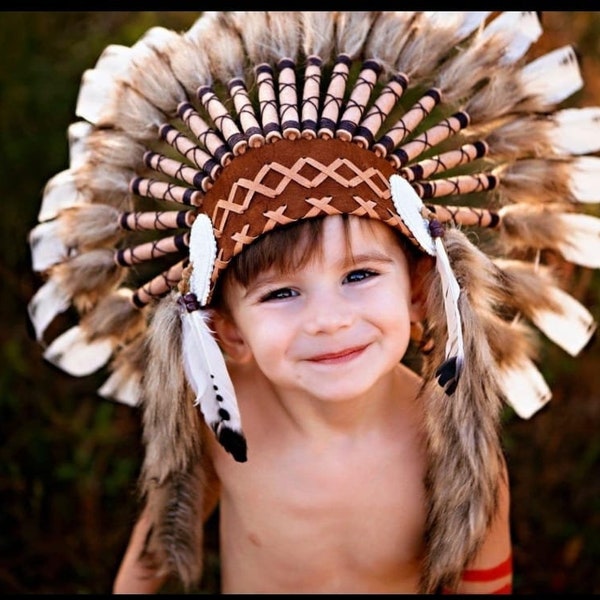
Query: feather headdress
x=191 y=146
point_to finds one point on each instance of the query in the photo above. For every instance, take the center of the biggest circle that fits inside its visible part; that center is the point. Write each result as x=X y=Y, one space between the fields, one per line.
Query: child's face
x=336 y=325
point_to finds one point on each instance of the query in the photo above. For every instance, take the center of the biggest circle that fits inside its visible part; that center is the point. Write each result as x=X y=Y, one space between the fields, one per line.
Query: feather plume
x=87 y=277
x=74 y=353
x=98 y=84
x=582 y=239
x=532 y=291
x=575 y=236
x=317 y=33
x=60 y=192
x=123 y=387
x=552 y=77
x=574 y=179
x=89 y=226
x=85 y=348
x=517 y=30
x=104 y=183
x=47 y=248
x=351 y=31
x=50 y=300
x=524 y=388
x=150 y=73
x=127 y=367
x=571 y=327
x=576 y=130
x=410 y=208
x=204 y=362
x=77 y=134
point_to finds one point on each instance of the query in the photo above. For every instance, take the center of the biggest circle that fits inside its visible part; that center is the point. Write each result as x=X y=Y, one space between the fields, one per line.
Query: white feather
x=451 y=289
x=74 y=354
x=98 y=84
x=203 y=251
x=518 y=30
x=571 y=327
x=582 y=242
x=49 y=301
x=576 y=130
x=60 y=192
x=554 y=76
x=584 y=178
x=205 y=368
x=409 y=207
x=47 y=248
x=77 y=134
x=122 y=388
x=465 y=22
x=524 y=388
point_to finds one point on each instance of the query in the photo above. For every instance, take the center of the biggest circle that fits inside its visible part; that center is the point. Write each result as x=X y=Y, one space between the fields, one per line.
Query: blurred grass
x=69 y=460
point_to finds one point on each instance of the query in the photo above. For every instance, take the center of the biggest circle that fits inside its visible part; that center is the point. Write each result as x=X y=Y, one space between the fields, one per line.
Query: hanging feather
x=449 y=371
x=204 y=362
x=410 y=208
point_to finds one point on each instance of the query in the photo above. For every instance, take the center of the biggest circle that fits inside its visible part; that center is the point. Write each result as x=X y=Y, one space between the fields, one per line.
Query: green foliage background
x=69 y=460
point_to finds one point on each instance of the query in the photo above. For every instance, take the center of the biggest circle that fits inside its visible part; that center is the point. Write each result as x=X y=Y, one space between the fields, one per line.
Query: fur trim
x=171 y=478
x=465 y=456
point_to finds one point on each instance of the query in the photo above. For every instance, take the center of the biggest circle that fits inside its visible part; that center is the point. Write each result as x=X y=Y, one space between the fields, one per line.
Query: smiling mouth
x=338 y=357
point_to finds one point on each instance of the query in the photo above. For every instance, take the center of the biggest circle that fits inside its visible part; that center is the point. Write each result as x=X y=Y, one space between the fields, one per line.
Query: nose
x=327 y=313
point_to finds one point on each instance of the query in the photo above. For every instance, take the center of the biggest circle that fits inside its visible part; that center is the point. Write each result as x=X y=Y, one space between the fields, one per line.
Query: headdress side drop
x=192 y=146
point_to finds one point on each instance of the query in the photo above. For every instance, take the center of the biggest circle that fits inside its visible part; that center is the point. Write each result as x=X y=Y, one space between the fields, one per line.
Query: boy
x=331 y=499
x=299 y=148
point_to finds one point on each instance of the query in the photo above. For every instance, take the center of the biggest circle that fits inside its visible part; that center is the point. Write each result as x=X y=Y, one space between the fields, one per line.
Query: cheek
x=266 y=339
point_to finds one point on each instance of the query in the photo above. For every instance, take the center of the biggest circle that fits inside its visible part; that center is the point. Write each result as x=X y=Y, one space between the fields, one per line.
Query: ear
x=230 y=338
x=419 y=287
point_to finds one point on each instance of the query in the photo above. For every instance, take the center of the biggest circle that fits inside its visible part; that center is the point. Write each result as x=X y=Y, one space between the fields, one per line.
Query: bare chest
x=354 y=515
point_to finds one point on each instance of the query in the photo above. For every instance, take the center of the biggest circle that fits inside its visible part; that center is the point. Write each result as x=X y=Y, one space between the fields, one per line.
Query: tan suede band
x=285 y=181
